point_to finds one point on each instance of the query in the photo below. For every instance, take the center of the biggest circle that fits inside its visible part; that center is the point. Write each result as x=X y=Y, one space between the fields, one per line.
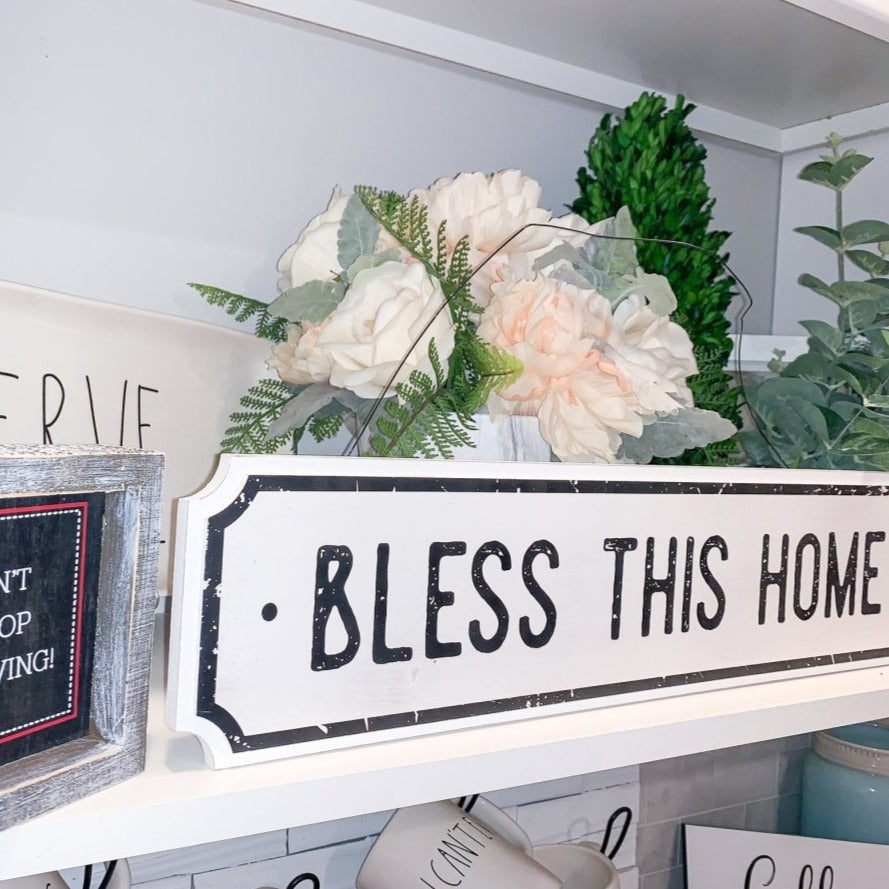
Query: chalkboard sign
x=328 y=602
x=79 y=529
x=49 y=573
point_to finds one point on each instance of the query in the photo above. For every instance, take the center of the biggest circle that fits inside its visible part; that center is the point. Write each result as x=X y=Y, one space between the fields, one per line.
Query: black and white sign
x=49 y=567
x=323 y=602
x=738 y=859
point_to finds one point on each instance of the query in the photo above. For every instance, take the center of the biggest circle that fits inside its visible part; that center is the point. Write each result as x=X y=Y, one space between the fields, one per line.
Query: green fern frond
x=242 y=308
x=406 y=219
x=322 y=428
x=477 y=370
x=249 y=430
x=423 y=419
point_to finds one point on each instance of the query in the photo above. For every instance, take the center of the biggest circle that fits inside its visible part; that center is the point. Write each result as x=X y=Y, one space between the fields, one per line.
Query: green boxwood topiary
x=651 y=162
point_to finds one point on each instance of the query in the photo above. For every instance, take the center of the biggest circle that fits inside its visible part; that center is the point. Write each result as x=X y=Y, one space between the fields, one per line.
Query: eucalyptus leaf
x=674 y=433
x=357 y=234
x=312 y=301
x=847 y=292
x=809 y=365
x=825 y=334
x=830 y=237
x=867 y=231
x=844 y=170
x=869 y=262
x=818 y=172
x=862 y=313
x=816 y=284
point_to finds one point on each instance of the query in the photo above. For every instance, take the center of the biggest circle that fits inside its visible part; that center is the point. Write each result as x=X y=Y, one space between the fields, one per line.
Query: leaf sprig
x=829 y=408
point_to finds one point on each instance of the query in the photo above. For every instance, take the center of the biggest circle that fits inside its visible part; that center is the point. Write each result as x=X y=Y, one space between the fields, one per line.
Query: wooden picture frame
x=79 y=726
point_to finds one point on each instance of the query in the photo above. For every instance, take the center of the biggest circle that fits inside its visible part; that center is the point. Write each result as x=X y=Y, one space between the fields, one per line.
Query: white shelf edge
x=437 y=41
x=180 y=802
x=757 y=350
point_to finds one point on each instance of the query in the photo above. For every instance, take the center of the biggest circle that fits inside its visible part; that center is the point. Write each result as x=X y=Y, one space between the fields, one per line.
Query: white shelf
x=178 y=801
x=763 y=72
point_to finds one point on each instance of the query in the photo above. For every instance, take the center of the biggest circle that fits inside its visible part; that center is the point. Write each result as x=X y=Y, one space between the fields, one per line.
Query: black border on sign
x=256 y=484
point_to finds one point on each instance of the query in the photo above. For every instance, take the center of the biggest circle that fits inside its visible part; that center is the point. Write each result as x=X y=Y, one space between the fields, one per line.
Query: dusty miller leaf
x=671 y=434
x=357 y=234
x=312 y=301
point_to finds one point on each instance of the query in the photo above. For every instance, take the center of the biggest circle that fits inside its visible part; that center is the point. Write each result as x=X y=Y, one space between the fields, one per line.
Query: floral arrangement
x=403 y=316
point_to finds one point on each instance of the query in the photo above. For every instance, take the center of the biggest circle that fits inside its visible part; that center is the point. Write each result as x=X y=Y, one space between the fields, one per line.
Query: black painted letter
x=531 y=639
x=382 y=654
x=330 y=593
x=438 y=599
x=619 y=546
x=492 y=600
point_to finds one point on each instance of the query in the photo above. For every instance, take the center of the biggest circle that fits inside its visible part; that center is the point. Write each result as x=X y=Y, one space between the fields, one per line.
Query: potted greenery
x=829 y=408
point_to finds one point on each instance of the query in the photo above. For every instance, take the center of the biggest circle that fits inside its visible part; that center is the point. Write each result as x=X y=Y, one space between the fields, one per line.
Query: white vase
x=515 y=439
x=510 y=439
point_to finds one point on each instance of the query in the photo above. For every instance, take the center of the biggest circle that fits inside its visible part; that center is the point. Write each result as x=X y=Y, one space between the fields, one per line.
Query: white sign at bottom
x=326 y=602
x=739 y=859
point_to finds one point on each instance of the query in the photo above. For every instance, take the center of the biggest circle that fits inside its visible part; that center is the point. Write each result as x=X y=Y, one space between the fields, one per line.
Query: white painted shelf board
x=758 y=69
x=179 y=802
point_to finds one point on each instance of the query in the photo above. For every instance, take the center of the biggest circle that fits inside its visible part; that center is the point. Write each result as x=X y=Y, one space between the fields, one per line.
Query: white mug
x=578 y=865
x=439 y=846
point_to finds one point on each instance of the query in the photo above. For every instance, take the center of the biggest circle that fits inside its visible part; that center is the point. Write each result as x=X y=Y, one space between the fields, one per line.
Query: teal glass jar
x=846 y=784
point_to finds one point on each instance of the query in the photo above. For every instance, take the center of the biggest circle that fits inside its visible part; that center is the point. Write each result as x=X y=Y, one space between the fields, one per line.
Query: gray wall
x=148 y=143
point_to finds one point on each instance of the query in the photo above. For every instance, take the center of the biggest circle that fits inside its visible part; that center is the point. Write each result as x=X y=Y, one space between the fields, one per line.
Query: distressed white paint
x=717 y=857
x=279 y=675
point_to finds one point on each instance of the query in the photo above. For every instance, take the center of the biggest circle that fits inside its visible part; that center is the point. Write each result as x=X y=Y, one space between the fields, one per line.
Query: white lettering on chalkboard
x=15 y=579
x=25 y=664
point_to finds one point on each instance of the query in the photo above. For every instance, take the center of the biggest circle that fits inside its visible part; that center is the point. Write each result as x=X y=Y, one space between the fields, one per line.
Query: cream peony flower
x=560 y=333
x=314 y=255
x=654 y=354
x=375 y=326
x=487 y=210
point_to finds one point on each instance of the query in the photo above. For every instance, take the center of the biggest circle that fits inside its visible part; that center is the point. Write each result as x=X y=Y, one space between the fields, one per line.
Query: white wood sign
x=323 y=602
x=739 y=859
x=78 y=371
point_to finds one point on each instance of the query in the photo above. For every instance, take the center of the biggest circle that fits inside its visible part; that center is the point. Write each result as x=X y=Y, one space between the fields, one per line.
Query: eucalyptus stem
x=841 y=251
x=838 y=203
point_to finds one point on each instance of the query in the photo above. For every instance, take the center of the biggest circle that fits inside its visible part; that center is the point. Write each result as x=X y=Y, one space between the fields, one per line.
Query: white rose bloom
x=314 y=255
x=375 y=326
x=298 y=359
x=654 y=354
x=488 y=210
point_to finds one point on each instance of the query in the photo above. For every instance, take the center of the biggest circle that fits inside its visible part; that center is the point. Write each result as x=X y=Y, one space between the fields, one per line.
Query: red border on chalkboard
x=61 y=507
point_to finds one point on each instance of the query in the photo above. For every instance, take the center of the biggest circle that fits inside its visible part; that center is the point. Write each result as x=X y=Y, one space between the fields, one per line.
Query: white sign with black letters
x=740 y=859
x=326 y=602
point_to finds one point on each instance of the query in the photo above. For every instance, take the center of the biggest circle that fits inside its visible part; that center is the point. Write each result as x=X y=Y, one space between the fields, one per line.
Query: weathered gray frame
x=127 y=596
